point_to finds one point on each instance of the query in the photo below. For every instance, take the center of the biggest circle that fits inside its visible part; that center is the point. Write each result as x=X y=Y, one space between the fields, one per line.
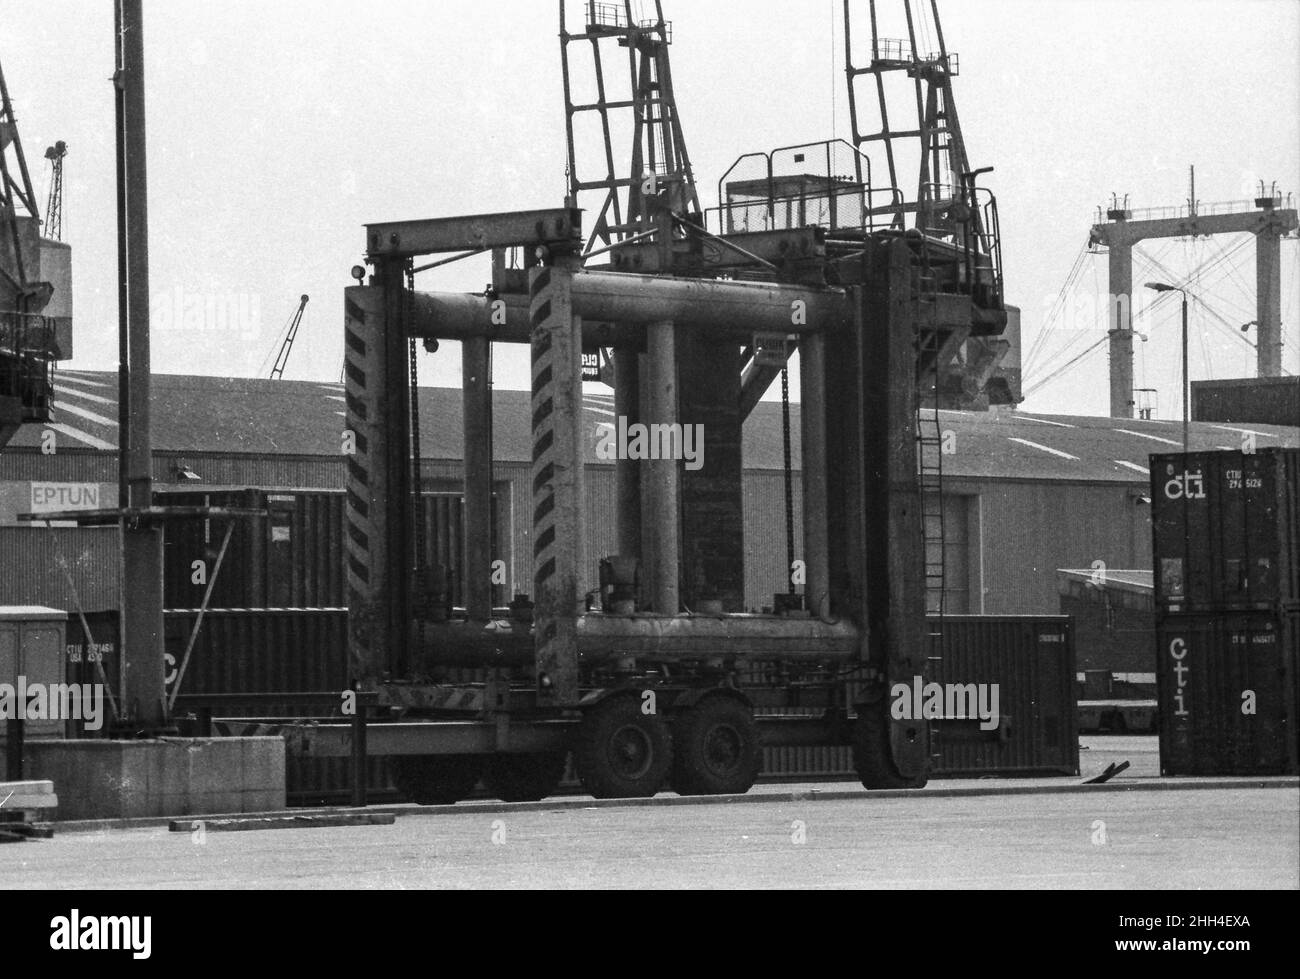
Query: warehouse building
x=1025 y=495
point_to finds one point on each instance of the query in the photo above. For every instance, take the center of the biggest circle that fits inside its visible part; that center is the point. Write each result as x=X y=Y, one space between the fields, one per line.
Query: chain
x=416 y=476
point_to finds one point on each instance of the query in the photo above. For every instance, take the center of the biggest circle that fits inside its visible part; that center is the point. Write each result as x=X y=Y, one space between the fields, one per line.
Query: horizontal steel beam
x=700 y=637
x=427 y=738
x=730 y=309
x=1119 y=233
x=657 y=638
x=524 y=736
x=397 y=239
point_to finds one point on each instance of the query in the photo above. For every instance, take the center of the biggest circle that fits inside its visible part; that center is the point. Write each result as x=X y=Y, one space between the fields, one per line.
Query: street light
x=1165 y=287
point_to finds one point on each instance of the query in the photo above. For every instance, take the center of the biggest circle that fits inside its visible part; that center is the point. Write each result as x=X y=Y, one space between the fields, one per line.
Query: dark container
x=1226 y=530
x=291 y=558
x=1031 y=659
x=1228 y=693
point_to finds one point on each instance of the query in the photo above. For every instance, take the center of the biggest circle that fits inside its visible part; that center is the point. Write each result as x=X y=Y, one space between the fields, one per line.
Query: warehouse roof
x=258 y=417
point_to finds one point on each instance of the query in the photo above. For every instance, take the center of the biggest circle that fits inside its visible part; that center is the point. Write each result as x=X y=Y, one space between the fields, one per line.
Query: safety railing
x=834 y=191
x=607 y=15
x=1277 y=201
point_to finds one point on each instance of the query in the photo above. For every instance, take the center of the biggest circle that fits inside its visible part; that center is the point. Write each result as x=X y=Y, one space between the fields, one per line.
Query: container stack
x=1226 y=535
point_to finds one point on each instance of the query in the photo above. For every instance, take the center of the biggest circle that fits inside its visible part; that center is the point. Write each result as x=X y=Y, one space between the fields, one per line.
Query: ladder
x=930 y=342
x=646 y=99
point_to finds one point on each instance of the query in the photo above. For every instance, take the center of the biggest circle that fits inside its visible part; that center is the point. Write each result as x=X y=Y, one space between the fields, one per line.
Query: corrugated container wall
x=1226 y=530
x=293 y=557
x=1031 y=660
x=1229 y=693
x=60 y=566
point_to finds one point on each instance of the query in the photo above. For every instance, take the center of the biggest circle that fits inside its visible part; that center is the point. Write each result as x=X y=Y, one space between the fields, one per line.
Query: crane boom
x=282 y=359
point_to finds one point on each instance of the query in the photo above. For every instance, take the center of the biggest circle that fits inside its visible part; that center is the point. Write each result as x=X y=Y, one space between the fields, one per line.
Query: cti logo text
x=92 y=933
x=1189 y=486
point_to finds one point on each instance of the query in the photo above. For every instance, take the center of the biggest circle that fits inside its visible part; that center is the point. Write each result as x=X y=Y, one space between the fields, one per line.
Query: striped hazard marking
x=557 y=479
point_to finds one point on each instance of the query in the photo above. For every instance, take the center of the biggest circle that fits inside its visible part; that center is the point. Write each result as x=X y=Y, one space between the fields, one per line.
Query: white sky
x=277 y=130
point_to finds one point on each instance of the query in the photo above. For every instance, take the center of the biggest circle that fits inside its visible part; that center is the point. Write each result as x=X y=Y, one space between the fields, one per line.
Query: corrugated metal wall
x=766 y=570
x=30 y=571
x=1028 y=530
x=1032 y=661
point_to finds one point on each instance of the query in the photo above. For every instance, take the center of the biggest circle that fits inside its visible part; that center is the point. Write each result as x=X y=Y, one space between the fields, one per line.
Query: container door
x=42 y=662
x=8 y=674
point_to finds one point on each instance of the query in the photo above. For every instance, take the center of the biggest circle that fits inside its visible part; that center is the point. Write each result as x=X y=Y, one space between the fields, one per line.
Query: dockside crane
x=54 y=204
x=27 y=341
x=286 y=347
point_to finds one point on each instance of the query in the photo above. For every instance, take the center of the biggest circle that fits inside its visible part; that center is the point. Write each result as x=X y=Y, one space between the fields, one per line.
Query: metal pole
x=1121 y=329
x=816 y=544
x=627 y=472
x=359 y=754
x=664 y=507
x=1186 y=385
x=1268 y=301
x=142 y=659
x=477 y=393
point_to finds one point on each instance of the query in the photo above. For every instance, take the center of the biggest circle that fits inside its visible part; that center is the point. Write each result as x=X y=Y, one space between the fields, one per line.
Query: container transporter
x=663 y=680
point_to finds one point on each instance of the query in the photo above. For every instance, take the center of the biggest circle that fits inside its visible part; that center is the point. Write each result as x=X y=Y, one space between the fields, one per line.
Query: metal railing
x=840 y=197
x=607 y=15
x=1201 y=210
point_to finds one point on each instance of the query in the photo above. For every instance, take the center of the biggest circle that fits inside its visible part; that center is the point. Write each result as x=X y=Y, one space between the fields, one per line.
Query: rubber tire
x=872 y=758
x=608 y=730
x=524 y=778
x=436 y=780
x=694 y=771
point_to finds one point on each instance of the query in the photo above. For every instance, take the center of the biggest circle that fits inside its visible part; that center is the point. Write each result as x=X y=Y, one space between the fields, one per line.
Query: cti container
x=1030 y=660
x=1226 y=530
x=1229 y=693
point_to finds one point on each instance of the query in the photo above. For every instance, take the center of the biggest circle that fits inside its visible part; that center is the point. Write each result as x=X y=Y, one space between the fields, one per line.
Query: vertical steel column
x=1121 y=329
x=664 y=506
x=1268 y=300
x=627 y=473
x=558 y=497
x=476 y=361
x=376 y=441
x=816 y=545
x=142 y=543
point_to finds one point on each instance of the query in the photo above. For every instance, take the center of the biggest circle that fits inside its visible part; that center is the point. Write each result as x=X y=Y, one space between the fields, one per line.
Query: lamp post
x=1187 y=398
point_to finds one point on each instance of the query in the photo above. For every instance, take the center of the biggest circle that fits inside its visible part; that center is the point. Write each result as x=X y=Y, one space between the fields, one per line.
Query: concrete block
x=264 y=760
x=101 y=779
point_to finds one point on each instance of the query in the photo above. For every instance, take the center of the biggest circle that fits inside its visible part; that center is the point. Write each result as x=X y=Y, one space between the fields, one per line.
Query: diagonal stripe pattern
x=557 y=479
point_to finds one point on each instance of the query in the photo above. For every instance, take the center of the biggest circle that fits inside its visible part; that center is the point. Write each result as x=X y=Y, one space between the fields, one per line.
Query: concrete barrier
x=102 y=779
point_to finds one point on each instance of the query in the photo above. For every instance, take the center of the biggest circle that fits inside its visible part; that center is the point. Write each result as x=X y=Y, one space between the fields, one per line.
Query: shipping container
x=1226 y=530
x=59 y=567
x=1030 y=662
x=294 y=557
x=31 y=651
x=1228 y=693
